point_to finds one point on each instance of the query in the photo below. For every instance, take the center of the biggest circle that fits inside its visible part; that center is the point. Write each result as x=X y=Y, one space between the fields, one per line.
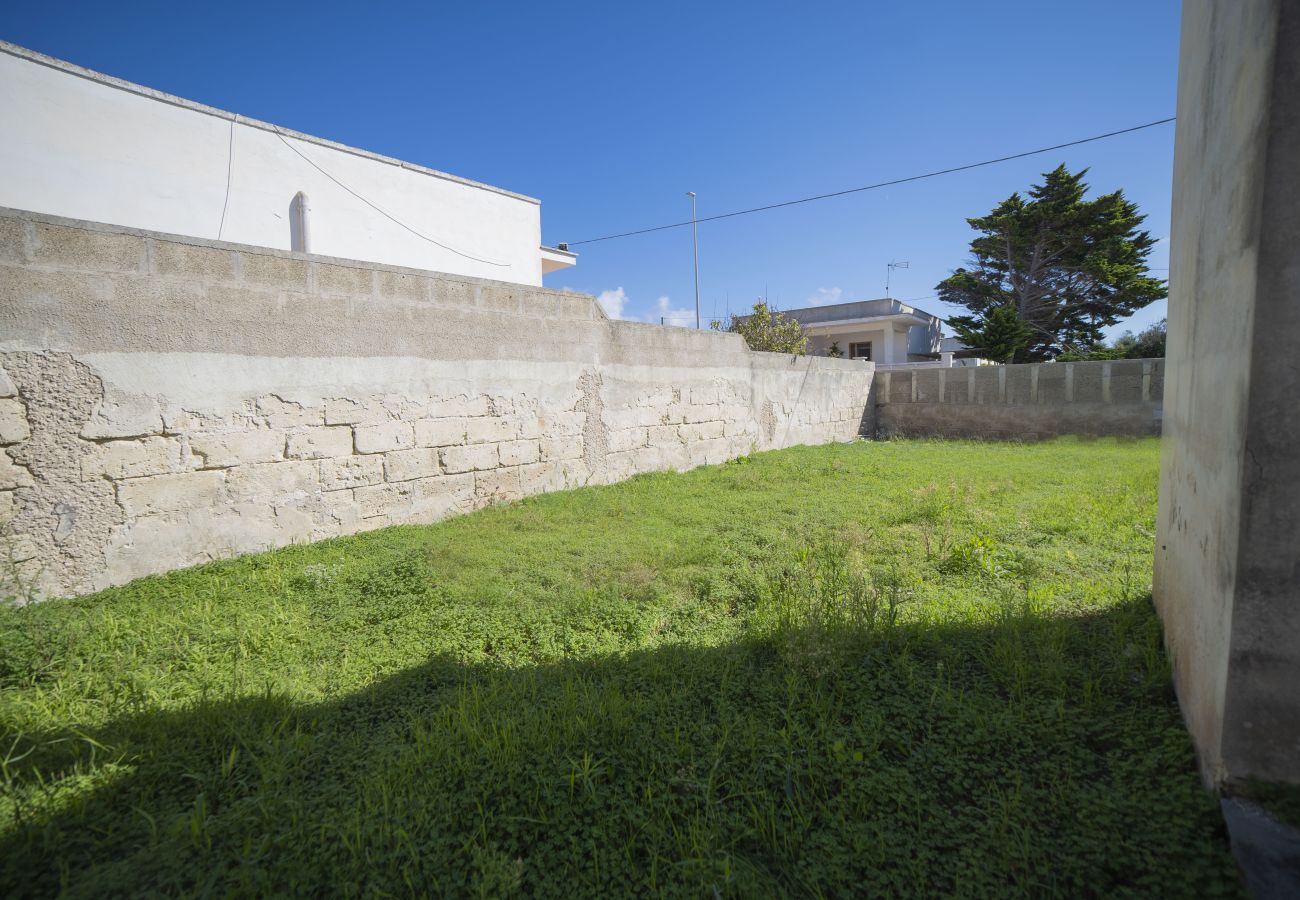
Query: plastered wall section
x=166 y=401
x=81 y=144
x=1227 y=563
x=1022 y=402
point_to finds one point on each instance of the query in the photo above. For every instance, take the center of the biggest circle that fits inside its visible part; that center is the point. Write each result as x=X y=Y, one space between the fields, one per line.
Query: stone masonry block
x=469 y=459
x=490 y=429
x=557 y=448
x=132 y=459
x=188 y=261
x=439 y=432
x=695 y=414
x=384 y=437
x=319 y=442
x=80 y=248
x=538 y=478
x=406 y=465
x=344 y=411
x=562 y=423
x=498 y=485
x=449 y=407
x=529 y=427
x=384 y=499
x=437 y=498
x=280 y=413
x=626 y=439
x=518 y=453
x=703 y=431
x=165 y=493
x=636 y=416
x=350 y=472
x=661 y=435
x=124 y=417
x=13 y=422
x=271 y=482
x=7 y=388
x=233 y=448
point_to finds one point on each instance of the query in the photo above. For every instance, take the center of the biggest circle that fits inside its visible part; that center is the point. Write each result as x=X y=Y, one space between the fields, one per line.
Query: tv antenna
x=889 y=270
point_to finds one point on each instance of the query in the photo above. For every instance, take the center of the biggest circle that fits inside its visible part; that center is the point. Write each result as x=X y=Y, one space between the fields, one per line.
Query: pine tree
x=1066 y=268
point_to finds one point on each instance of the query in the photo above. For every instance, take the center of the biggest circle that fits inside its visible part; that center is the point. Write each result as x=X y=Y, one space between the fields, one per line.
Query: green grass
x=901 y=668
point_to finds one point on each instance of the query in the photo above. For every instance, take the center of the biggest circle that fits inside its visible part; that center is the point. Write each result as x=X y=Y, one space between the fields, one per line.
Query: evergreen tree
x=1066 y=268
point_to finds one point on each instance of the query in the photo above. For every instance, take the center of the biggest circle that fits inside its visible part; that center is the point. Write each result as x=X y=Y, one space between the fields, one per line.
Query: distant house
x=887 y=332
x=88 y=146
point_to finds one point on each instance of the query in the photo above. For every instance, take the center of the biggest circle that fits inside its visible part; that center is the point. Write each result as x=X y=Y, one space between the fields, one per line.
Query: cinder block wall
x=167 y=400
x=1022 y=402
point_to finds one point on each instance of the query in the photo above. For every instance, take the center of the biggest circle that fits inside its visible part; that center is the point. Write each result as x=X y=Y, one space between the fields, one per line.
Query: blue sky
x=610 y=112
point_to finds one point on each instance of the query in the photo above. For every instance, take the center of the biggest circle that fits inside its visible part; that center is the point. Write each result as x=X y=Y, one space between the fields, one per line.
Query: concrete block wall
x=167 y=400
x=1022 y=402
x=1227 y=564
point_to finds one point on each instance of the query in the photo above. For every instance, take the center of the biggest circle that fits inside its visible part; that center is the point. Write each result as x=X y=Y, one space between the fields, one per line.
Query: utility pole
x=695 y=238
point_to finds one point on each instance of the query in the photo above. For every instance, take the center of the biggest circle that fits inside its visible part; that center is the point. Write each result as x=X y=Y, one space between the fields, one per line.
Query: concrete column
x=1227 y=575
x=887 y=350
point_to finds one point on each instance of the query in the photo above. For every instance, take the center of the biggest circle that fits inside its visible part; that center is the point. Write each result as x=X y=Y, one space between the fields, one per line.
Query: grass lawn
x=902 y=668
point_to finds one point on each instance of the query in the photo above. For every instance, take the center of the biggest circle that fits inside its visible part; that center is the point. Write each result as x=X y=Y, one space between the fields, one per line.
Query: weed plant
x=889 y=669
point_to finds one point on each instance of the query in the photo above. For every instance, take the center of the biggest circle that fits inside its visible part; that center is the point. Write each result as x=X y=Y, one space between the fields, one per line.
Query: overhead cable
x=881 y=184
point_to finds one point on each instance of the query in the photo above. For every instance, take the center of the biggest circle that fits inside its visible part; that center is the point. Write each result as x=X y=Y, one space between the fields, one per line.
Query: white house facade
x=88 y=146
x=886 y=332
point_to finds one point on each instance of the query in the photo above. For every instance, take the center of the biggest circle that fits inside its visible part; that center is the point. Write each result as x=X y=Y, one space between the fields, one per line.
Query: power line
x=230 y=167
x=881 y=184
x=380 y=210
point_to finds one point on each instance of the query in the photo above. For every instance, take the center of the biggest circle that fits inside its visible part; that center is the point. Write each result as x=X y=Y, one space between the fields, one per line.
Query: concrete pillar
x=1227 y=575
x=887 y=346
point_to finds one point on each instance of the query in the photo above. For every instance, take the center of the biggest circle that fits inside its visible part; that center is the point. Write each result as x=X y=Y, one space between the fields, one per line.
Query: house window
x=860 y=350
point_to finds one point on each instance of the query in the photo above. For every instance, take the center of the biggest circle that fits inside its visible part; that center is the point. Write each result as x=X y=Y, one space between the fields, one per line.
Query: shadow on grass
x=1028 y=755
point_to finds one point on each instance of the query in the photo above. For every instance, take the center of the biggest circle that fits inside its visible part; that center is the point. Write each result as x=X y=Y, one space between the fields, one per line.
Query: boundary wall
x=1022 y=402
x=168 y=400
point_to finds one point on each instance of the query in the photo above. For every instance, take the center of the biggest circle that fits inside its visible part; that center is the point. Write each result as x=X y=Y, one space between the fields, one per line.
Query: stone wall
x=166 y=400
x=1021 y=402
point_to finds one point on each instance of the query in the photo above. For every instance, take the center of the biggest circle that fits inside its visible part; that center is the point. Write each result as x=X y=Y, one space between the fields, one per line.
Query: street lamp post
x=695 y=238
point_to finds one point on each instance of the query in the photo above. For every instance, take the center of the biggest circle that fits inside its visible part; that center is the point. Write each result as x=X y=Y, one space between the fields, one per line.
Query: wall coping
x=630 y=328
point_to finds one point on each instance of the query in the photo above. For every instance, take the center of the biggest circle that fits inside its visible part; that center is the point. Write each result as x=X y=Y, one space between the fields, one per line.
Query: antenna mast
x=889 y=270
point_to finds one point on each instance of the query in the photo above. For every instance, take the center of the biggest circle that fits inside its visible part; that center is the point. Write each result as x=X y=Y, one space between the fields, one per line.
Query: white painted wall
x=86 y=146
x=889 y=344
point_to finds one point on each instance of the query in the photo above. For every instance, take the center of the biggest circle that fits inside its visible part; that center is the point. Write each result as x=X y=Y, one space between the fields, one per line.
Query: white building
x=80 y=144
x=887 y=332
